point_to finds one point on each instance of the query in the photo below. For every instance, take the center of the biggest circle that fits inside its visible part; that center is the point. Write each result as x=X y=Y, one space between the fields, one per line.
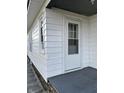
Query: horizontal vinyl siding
x=54 y=55
x=54 y=43
x=54 y=38
x=93 y=42
x=55 y=20
x=84 y=44
x=54 y=61
x=35 y=39
x=37 y=57
x=53 y=50
x=54 y=27
x=54 y=33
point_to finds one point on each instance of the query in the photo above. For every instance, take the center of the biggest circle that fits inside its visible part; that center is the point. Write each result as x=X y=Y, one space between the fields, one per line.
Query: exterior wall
x=36 y=53
x=93 y=41
x=35 y=39
x=55 y=40
x=84 y=44
x=54 y=43
x=50 y=60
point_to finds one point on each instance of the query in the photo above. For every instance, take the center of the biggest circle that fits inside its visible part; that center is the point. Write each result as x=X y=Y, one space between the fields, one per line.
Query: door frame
x=66 y=21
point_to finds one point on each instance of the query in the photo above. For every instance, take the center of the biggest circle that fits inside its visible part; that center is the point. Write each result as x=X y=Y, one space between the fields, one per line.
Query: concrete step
x=45 y=92
x=39 y=91
x=29 y=91
x=31 y=80
x=32 y=91
x=30 y=71
x=36 y=88
x=28 y=64
x=30 y=75
x=32 y=84
x=29 y=67
x=42 y=91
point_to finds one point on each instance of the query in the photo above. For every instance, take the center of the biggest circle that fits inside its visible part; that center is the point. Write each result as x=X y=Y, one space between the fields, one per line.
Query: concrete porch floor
x=81 y=81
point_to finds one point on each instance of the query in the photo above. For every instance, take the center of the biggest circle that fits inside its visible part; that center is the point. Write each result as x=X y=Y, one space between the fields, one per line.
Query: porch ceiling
x=83 y=7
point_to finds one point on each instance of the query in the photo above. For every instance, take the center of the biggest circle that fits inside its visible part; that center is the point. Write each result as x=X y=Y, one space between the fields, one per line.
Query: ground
x=33 y=84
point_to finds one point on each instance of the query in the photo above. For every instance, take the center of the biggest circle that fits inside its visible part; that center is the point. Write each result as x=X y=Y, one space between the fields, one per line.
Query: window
x=72 y=38
x=42 y=38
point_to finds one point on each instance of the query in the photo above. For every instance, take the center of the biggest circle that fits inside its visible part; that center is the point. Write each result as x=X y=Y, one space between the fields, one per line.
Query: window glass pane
x=72 y=38
x=73 y=30
x=75 y=27
x=75 y=35
x=70 y=27
x=72 y=46
x=71 y=35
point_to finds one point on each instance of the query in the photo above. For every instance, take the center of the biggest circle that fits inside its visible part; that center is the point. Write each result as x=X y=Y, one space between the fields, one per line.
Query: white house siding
x=50 y=60
x=37 y=55
x=28 y=42
x=55 y=40
x=93 y=41
x=35 y=40
x=54 y=44
x=84 y=44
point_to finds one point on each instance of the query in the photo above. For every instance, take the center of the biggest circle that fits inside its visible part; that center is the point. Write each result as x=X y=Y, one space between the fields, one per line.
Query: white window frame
x=73 y=38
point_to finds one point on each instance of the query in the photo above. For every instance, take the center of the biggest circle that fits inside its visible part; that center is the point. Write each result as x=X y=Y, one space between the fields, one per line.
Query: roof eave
x=34 y=8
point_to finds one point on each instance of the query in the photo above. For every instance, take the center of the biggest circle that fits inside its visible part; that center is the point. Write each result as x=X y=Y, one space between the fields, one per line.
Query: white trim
x=69 y=14
x=73 y=16
x=92 y=17
x=63 y=59
x=42 y=9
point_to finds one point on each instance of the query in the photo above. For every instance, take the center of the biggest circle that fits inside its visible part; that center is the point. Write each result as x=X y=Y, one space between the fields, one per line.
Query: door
x=72 y=45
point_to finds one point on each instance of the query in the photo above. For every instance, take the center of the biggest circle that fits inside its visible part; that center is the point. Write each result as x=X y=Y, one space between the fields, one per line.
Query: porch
x=81 y=81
